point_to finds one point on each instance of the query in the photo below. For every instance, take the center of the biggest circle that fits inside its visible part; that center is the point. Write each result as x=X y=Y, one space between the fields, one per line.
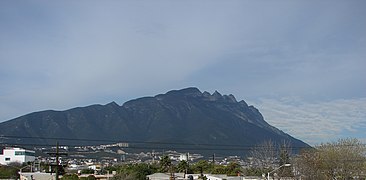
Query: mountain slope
x=186 y=118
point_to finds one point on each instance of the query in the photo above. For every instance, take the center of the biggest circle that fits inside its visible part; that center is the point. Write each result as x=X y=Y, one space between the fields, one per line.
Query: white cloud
x=316 y=122
x=58 y=55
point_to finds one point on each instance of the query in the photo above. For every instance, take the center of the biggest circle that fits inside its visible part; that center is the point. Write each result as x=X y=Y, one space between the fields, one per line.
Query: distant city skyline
x=301 y=63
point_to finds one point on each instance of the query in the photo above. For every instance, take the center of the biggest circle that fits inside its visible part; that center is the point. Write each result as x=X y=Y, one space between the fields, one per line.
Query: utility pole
x=153 y=156
x=57 y=155
x=57 y=163
x=187 y=165
x=172 y=176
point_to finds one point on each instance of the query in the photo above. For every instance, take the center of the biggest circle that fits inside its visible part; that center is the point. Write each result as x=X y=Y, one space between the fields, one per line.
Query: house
x=225 y=177
x=36 y=176
x=166 y=176
x=16 y=155
x=97 y=176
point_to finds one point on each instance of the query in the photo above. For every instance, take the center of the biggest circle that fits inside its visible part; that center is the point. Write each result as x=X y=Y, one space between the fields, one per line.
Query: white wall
x=16 y=155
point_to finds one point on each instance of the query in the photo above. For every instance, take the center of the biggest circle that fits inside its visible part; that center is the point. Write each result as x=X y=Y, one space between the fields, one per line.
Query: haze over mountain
x=180 y=119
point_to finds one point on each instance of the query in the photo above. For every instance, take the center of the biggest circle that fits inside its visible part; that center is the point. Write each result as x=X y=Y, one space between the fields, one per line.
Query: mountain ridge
x=186 y=116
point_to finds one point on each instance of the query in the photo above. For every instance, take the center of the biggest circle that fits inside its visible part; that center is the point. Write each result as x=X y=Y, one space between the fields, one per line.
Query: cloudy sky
x=301 y=63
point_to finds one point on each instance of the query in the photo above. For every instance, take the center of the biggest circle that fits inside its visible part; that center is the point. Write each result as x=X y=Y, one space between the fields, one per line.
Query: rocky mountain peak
x=195 y=92
x=230 y=98
x=191 y=91
x=217 y=95
x=112 y=104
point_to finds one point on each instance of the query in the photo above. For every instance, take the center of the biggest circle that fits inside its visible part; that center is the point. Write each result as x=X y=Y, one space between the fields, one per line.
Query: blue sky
x=301 y=63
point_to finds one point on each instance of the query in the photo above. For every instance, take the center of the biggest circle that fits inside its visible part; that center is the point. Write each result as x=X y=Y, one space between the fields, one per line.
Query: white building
x=17 y=155
x=184 y=157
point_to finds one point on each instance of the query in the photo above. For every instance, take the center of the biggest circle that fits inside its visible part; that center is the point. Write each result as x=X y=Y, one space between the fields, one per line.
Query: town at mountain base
x=185 y=120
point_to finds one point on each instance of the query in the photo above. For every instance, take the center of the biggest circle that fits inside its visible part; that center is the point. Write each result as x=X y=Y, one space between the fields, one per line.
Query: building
x=16 y=155
x=167 y=176
x=97 y=176
x=36 y=176
x=184 y=157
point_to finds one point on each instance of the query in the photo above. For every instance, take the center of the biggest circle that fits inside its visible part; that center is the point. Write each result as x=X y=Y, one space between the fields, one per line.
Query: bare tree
x=285 y=153
x=264 y=155
x=343 y=159
x=307 y=165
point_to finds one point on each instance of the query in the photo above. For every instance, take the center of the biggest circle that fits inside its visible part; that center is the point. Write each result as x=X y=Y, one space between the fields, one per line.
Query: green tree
x=142 y=170
x=70 y=177
x=9 y=172
x=91 y=177
x=183 y=166
x=165 y=164
x=201 y=167
x=135 y=171
x=87 y=171
x=219 y=169
x=233 y=168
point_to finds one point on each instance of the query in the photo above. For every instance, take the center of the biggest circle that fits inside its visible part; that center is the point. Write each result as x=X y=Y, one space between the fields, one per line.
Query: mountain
x=185 y=119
